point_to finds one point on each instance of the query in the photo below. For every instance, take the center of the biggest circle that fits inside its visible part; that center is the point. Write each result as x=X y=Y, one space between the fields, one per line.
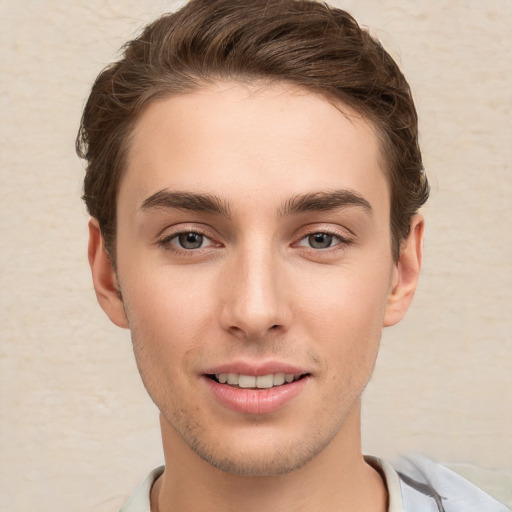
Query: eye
x=322 y=240
x=188 y=240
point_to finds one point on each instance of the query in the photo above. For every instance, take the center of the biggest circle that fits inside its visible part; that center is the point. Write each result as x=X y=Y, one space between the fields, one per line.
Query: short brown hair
x=302 y=42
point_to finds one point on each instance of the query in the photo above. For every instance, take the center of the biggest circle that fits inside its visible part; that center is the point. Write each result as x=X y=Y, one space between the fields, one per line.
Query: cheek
x=166 y=300
x=345 y=301
x=165 y=330
x=168 y=319
x=343 y=318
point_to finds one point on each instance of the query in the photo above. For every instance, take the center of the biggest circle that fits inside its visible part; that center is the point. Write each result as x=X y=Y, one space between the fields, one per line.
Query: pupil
x=320 y=240
x=190 y=240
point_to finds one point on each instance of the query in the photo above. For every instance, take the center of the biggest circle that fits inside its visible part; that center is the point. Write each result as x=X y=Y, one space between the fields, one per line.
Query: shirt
x=414 y=484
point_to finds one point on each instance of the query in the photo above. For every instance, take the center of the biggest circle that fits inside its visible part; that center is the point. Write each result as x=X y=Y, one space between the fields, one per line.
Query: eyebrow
x=207 y=203
x=324 y=201
x=302 y=203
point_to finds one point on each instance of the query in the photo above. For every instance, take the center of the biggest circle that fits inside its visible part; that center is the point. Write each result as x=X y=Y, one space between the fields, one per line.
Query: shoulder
x=139 y=501
x=425 y=483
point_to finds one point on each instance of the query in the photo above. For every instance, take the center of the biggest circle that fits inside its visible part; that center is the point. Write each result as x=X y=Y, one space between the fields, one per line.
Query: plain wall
x=77 y=431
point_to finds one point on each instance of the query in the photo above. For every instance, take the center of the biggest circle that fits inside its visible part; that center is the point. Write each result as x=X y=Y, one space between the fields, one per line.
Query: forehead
x=252 y=140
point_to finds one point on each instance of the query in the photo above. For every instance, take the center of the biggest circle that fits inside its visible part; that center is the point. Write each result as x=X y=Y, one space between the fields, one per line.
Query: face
x=255 y=268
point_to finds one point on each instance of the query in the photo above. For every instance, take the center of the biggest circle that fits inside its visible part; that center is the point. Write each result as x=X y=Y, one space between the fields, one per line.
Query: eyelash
x=167 y=242
x=342 y=240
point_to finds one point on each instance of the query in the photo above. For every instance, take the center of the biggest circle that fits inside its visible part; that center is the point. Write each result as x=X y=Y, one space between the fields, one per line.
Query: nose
x=254 y=296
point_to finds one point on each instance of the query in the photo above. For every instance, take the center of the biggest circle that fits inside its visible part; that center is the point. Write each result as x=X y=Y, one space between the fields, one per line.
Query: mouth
x=271 y=380
x=252 y=390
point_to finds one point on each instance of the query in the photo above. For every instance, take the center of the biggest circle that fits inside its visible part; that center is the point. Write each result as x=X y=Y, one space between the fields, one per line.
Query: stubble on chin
x=267 y=458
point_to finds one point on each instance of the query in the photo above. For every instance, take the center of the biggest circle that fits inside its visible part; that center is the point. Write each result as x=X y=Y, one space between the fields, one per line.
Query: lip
x=256 y=401
x=245 y=368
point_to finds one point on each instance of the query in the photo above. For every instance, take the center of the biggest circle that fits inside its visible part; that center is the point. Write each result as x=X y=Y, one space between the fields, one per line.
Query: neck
x=337 y=479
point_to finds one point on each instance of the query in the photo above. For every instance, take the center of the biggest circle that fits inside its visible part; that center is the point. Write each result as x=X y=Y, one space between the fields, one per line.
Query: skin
x=258 y=289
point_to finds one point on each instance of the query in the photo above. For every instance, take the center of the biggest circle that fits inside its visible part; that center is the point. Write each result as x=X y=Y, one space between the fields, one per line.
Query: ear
x=104 y=278
x=406 y=273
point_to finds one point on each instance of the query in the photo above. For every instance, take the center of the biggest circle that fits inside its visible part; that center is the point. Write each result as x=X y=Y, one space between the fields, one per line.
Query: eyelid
x=171 y=232
x=328 y=229
x=170 y=239
x=345 y=237
x=186 y=227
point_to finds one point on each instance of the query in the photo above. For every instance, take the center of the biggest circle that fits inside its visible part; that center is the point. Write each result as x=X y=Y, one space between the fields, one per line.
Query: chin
x=257 y=465
x=260 y=459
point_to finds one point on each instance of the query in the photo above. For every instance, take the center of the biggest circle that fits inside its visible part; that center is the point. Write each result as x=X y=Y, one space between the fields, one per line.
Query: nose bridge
x=254 y=302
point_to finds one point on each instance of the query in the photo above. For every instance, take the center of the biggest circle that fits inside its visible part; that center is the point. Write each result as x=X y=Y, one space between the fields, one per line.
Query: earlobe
x=406 y=274
x=104 y=277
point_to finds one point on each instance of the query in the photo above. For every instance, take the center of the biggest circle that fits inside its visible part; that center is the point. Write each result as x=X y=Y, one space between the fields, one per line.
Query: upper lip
x=256 y=369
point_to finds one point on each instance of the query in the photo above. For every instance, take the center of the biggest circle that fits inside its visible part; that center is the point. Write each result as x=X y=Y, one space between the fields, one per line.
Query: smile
x=256 y=382
x=256 y=394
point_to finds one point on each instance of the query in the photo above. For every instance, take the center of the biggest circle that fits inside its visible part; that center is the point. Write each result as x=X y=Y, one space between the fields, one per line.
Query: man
x=254 y=180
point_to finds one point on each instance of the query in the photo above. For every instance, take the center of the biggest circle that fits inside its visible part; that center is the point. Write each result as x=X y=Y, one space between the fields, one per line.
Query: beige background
x=77 y=430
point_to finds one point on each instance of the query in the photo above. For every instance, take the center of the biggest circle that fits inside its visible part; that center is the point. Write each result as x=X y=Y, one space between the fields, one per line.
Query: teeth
x=264 y=381
x=247 y=381
x=233 y=379
x=279 y=379
x=260 y=382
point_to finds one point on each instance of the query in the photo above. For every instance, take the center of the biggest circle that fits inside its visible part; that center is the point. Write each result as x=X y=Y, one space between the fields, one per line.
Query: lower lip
x=255 y=401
